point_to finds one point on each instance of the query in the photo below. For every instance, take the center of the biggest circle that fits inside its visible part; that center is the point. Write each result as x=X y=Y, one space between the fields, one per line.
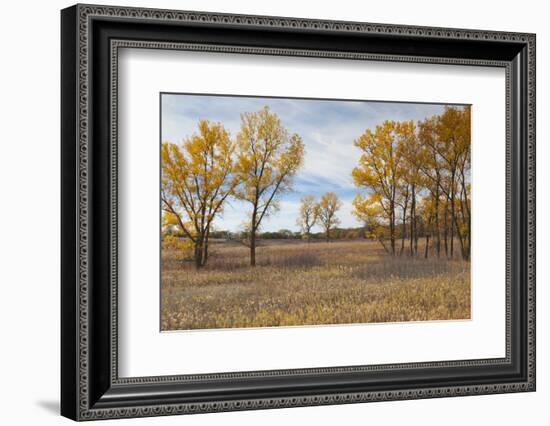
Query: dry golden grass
x=297 y=283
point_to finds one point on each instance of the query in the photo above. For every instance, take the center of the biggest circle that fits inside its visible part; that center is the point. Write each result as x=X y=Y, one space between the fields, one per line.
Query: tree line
x=336 y=233
x=416 y=179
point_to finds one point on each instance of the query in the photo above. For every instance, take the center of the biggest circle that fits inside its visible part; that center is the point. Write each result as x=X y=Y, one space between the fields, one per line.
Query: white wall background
x=29 y=212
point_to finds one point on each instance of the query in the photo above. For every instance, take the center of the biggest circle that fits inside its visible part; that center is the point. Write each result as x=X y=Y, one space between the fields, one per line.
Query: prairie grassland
x=296 y=283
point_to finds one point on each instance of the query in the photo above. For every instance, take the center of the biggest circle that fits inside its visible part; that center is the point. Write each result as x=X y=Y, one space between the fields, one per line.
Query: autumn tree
x=268 y=157
x=414 y=180
x=308 y=215
x=197 y=177
x=430 y=164
x=402 y=163
x=446 y=165
x=328 y=206
x=381 y=167
x=368 y=210
x=454 y=134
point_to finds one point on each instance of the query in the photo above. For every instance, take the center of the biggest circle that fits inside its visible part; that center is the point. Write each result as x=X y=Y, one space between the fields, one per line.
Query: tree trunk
x=453 y=213
x=432 y=227
x=404 y=222
x=198 y=254
x=452 y=238
x=381 y=241
x=415 y=234
x=253 y=237
x=253 y=248
x=465 y=217
x=392 y=228
x=205 y=253
x=205 y=247
x=403 y=235
x=465 y=208
x=469 y=236
x=469 y=240
x=438 y=235
x=427 y=245
x=446 y=229
x=463 y=248
x=413 y=225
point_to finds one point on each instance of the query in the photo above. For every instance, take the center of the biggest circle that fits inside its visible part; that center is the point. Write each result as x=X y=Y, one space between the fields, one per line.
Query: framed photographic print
x=263 y=212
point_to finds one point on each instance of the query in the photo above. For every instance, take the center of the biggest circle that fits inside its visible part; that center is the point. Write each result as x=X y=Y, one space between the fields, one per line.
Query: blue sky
x=327 y=127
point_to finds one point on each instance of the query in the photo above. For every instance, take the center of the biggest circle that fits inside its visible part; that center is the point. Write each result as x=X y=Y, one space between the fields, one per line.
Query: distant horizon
x=327 y=128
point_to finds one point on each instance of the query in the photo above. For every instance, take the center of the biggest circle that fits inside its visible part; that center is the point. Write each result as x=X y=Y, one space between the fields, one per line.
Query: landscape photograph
x=278 y=212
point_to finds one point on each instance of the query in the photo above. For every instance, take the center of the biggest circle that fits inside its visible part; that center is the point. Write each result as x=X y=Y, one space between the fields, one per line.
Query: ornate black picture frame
x=91 y=36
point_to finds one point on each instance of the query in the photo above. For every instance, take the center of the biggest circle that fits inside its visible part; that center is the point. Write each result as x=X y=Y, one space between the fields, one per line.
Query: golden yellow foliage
x=197 y=177
x=383 y=166
x=327 y=208
x=267 y=159
x=308 y=215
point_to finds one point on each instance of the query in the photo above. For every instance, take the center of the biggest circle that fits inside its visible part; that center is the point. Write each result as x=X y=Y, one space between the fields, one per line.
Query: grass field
x=296 y=283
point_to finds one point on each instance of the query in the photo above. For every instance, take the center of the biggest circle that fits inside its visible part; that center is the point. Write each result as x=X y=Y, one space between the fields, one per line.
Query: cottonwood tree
x=430 y=164
x=328 y=205
x=445 y=163
x=197 y=177
x=413 y=178
x=403 y=165
x=381 y=167
x=268 y=157
x=308 y=216
x=454 y=133
x=369 y=211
